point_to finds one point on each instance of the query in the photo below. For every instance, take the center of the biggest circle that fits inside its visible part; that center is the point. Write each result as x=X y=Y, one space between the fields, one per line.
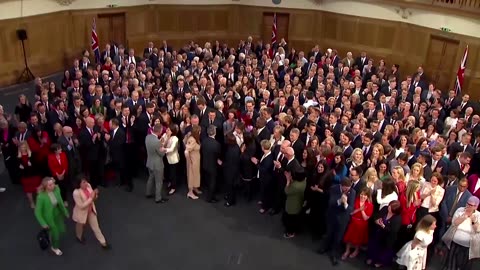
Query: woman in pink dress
x=357 y=231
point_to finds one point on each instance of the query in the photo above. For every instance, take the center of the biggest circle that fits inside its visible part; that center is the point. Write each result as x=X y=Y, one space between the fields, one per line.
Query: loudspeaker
x=22 y=34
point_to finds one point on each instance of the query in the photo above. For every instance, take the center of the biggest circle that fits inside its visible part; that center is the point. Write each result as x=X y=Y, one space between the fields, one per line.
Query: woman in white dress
x=413 y=254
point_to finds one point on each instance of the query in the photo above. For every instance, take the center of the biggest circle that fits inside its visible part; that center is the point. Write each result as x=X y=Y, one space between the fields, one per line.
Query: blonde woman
x=377 y=155
x=413 y=255
x=85 y=211
x=192 y=155
x=371 y=179
x=50 y=212
x=415 y=173
x=356 y=160
x=29 y=176
x=398 y=176
x=277 y=137
x=410 y=202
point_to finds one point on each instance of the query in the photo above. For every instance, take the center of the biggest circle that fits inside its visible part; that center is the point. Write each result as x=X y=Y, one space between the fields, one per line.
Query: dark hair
x=230 y=139
x=54 y=147
x=346 y=182
x=174 y=129
x=78 y=181
x=115 y=122
x=395 y=207
x=388 y=187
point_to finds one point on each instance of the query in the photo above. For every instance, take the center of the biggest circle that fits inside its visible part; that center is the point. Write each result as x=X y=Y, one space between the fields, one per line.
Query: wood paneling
x=56 y=39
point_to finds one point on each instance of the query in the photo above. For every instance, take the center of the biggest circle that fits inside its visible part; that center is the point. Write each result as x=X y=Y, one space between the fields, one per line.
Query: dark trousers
x=173 y=174
x=12 y=167
x=267 y=188
x=64 y=187
x=211 y=179
x=291 y=222
x=94 y=172
x=130 y=169
x=334 y=236
x=279 y=196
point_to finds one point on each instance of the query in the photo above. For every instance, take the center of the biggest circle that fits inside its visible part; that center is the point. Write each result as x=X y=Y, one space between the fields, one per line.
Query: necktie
x=281 y=109
x=454 y=205
x=211 y=122
x=434 y=165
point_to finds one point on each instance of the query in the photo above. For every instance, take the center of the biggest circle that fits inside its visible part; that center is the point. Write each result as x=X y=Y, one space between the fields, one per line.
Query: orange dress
x=357 y=231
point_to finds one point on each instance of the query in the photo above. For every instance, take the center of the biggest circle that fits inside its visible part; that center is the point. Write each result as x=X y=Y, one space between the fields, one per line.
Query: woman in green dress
x=51 y=212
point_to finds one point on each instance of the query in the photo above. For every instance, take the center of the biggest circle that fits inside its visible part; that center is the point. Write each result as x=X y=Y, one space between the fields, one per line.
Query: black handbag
x=43 y=239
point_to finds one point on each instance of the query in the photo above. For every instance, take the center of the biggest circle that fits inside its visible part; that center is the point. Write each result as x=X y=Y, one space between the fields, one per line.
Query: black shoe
x=80 y=240
x=212 y=200
x=164 y=200
x=149 y=196
x=106 y=246
x=334 y=260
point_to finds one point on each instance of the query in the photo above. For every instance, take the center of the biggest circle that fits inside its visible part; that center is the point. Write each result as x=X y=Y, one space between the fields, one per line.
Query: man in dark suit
x=438 y=164
x=116 y=143
x=211 y=152
x=127 y=124
x=154 y=59
x=357 y=182
x=148 y=50
x=297 y=144
x=213 y=120
x=265 y=175
x=455 y=197
x=166 y=48
x=280 y=182
x=90 y=140
x=262 y=133
x=70 y=148
x=460 y=166
x=340 y=205
x=361 y=61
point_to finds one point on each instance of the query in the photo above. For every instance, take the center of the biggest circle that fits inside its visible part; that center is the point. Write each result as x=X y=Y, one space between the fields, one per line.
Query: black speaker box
x=22 y=34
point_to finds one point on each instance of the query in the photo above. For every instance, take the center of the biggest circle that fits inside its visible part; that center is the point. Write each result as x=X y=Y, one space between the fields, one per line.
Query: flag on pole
x=461 y=73
x=274 y=35
x=95 y=45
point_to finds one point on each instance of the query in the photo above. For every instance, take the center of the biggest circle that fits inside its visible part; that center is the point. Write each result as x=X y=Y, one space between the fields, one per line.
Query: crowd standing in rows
x=346 y=149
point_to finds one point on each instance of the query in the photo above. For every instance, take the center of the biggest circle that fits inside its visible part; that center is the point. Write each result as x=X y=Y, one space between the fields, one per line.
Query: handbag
x=43 y=239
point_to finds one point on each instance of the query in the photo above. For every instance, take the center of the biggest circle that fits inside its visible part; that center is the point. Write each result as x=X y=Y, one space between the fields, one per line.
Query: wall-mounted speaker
x=22 y=34
x=276 y=2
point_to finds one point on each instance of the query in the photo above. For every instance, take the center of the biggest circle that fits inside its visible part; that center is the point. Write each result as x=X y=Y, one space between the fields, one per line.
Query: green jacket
x=295 y=193
x=46 y=214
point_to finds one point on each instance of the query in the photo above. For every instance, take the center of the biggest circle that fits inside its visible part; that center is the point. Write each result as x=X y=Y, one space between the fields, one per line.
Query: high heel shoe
x=171 y=192
x=192 y=196
x=57 y=251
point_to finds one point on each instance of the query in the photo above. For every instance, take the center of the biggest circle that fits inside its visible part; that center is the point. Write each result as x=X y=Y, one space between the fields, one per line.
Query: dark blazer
x=388 y=234
x=265 y=168
x=340 y=216
x=90 y=149
x=298 y=146
x=116 y=146
x=442 y=164
x=359 y=186
x=455 y=169
x=447 y=204
x=211 y=151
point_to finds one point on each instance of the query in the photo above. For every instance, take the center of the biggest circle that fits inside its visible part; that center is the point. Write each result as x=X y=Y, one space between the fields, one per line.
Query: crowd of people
x=346 y=149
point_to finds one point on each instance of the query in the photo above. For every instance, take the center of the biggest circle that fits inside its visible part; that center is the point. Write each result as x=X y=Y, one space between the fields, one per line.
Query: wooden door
x=441 y=58
x=111 y=28
x=282 y=27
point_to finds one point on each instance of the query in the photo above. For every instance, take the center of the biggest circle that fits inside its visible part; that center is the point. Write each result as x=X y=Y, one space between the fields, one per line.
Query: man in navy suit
x=455 y=197
x=340 y=205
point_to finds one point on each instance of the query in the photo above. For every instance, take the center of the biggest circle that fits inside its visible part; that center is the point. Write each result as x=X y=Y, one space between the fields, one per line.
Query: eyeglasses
x=471 y=205
x=465 y=186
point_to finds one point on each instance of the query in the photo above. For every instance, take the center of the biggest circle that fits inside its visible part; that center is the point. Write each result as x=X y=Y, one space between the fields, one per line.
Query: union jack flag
x=95 y=44
x=271 y=52
x=461 y=73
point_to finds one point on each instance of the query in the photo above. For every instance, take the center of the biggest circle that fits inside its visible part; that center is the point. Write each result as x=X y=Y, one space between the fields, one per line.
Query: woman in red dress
x=58 y=165
x=29 y=176
x=39 y=144
x=357 y=231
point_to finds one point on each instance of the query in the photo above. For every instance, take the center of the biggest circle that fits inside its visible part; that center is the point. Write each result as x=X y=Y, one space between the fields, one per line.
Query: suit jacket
x=44 y=209
x=211 y=151
x=83 y=205
x=449 y=199
x=455 y=169
x=441 y=164
x=359 y=186
x=340 y=215
x=90 y=149
x=265 y=168
x=116 y=146
x=298 y=146
x=58 y=167
x=154 y=155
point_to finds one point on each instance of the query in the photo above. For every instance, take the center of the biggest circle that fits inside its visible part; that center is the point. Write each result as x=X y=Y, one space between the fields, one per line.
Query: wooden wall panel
x=395 y=42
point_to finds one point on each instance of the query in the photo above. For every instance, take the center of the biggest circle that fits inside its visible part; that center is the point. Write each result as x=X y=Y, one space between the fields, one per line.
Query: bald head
x=89 y=122
x=289 y=152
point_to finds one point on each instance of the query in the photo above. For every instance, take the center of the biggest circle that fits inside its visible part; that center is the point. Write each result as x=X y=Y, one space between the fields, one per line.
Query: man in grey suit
x=455 y=197
x=155 y=165
x=70 y=147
